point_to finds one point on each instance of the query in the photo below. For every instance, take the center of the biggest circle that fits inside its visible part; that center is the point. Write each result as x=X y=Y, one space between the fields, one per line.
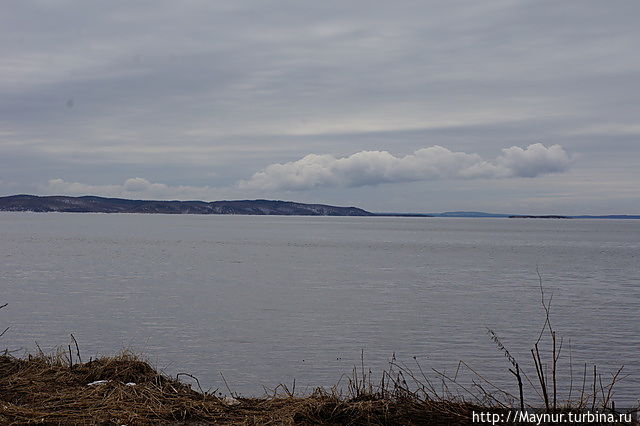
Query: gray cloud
x=135 y=188
x=436 y=162
x=202 y=94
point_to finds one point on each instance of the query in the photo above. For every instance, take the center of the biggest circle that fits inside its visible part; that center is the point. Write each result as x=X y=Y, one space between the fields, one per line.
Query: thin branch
x=226 y=384
x=77 y=348
x=194 y=378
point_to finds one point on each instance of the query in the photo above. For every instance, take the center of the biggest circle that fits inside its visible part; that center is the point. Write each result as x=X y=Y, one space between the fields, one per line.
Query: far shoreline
x=257 y=207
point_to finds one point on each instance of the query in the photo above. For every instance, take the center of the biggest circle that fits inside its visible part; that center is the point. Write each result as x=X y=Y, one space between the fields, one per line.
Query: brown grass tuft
x=51 y=390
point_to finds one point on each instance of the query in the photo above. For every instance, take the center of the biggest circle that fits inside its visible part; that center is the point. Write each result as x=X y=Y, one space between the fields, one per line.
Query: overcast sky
x=412 y=106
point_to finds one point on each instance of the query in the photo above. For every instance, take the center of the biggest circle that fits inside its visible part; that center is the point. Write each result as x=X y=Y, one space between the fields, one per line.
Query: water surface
x=269 y=299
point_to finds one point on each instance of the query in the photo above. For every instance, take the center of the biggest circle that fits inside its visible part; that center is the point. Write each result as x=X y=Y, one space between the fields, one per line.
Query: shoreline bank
x=125 y=389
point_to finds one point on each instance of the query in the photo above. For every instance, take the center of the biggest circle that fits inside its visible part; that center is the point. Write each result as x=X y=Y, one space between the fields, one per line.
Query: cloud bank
x=134 y=188
x=436 y=162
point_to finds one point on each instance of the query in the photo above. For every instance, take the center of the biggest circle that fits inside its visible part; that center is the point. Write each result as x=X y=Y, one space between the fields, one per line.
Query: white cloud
x=62 y=187
x=436 y=162
x=141 y=184
x=137 y=187
x=534 y=161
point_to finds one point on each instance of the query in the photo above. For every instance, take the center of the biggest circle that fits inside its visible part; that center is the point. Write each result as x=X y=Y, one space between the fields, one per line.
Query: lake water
x=265 y=300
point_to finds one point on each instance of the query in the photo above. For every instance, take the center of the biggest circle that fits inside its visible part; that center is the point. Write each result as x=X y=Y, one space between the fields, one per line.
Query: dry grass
x=51 y=390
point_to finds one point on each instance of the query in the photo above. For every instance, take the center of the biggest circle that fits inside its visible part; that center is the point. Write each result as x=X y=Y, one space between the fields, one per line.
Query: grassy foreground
x=48 y=389
x=125 y=390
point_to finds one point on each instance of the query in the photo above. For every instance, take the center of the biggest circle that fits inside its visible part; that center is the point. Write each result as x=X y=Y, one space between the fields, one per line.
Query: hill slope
x=91 y=204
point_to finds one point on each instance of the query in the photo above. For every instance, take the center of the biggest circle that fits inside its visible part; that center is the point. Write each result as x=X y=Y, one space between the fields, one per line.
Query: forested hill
x=91 y=204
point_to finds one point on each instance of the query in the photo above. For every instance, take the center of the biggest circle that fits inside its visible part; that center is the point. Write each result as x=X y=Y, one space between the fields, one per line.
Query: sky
x=527 y=107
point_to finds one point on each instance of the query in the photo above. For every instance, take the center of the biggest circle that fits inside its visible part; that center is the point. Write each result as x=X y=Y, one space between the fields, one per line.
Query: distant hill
x=91 y=204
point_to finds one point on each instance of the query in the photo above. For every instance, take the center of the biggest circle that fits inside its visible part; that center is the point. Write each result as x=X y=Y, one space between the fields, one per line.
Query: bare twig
x=464 y=388
x=519 y=378
x=226 y=384
x=613 y=382
x=77 y=348
x=593 y=405
x=570 y=372
x=584 y=382
x=545 y=305
x=555 y=362
x=539 y=370
x=194 y=378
